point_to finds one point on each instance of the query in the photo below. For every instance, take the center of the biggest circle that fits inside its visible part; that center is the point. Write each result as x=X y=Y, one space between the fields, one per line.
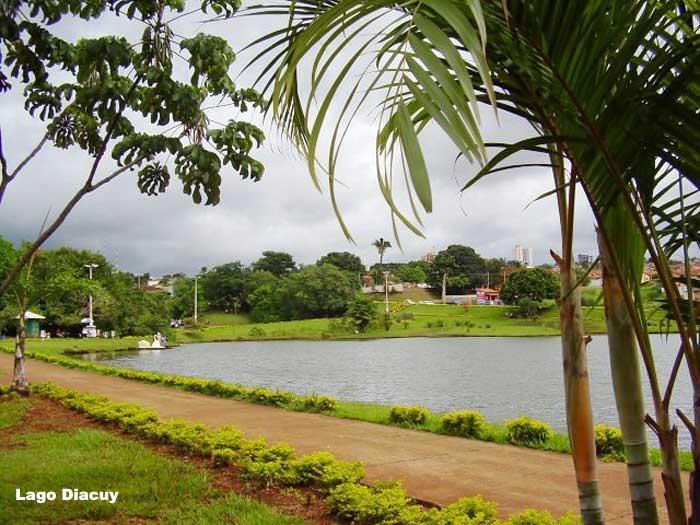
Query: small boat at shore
x=159 y=343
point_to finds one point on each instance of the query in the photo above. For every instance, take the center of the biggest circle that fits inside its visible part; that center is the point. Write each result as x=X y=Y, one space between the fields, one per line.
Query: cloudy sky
x=284 y=211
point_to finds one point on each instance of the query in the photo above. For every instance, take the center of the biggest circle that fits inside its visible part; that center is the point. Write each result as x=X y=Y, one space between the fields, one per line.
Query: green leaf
x=414 y=159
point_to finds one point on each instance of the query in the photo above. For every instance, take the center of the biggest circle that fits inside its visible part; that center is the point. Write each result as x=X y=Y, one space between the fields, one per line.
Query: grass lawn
x=224 y=318
x=430 y=321
x=152 y=488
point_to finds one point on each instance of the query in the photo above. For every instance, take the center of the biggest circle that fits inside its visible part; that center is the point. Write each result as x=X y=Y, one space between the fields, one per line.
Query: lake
x=503 y=377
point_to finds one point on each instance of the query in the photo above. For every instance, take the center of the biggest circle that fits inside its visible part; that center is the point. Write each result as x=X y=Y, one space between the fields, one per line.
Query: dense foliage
x=313 y=291
x=361 y=312
x=60 y=289
x=277 y=263
x=465 y=269
x=535 y=284
x=344 y=260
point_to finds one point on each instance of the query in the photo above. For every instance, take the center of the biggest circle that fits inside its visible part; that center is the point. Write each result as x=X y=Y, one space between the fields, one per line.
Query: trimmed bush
x=326 y=469
x=358 y=503
x=608 y=442
x=413 y=415
x=475 y=509
x=466 y=423
x=527 y=431
x=316 y=403
x=532 y=517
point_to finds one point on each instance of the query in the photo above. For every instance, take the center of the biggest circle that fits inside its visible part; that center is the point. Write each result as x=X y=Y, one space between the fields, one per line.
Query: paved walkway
x=434 y=468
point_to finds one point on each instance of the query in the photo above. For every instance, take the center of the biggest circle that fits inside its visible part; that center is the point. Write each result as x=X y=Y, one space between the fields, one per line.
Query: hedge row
x=259 y=395
x=522 y=431
x=278 y=465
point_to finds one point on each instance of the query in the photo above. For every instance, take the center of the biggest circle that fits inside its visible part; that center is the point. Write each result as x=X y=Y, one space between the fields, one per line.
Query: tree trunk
x=579 y=412
x=629 y=397
x=19 y=378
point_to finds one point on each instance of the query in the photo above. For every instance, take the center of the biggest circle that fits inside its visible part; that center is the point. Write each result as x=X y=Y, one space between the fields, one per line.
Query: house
x=32 y=325
x=596 y=277
x=487 y=295
x=683 y=289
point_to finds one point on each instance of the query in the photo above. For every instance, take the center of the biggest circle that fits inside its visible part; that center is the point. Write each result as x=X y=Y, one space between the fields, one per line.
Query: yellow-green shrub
x=359 y=503
x=527 y=431
x=466 y=423
x=327 y=470
x=609 y=442
x=408 y=415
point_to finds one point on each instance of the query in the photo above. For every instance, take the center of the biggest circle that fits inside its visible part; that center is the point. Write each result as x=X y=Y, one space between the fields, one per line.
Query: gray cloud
x=283 y=211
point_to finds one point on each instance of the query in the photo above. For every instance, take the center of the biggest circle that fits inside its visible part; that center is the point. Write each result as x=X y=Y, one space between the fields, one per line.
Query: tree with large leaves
x=604 y=84
x=110 y=97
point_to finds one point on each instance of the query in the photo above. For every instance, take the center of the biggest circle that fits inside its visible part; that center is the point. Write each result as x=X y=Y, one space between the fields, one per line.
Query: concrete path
x=434 y=468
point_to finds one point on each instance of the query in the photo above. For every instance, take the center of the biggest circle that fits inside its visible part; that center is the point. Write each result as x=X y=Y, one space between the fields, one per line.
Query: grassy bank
x=429 y=321
x=152 y=488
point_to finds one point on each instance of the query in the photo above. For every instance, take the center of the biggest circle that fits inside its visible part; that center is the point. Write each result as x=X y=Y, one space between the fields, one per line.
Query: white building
x=523 y=255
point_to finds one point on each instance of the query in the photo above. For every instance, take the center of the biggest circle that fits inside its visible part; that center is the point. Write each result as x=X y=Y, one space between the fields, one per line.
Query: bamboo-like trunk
x=629 y=397
x=579 y=412
x=19 y=378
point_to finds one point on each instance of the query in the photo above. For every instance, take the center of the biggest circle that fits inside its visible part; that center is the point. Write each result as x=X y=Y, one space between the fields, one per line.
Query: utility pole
x=444 y=287
x=91 y=327
x=386 y=292
x=195 y=300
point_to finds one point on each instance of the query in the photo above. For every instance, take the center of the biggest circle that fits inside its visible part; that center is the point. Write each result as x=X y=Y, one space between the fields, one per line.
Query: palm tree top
x=381 y=244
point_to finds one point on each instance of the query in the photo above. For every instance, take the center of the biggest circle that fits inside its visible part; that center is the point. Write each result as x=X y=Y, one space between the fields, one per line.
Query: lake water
x=503 y=377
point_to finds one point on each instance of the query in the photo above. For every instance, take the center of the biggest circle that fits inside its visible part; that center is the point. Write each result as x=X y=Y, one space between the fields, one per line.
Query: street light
x=91 y=326
x=386 y=292
x=196 y=277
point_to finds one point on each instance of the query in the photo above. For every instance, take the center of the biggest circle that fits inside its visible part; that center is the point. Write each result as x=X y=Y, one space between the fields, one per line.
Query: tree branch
x=672 y=379
x=116 y=173
x=3 y=162
x=8 y=177
x=86 y=188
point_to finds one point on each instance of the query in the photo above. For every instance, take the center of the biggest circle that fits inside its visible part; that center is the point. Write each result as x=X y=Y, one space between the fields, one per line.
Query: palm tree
x=382 y=246
x=624 y=356
x=601 y=84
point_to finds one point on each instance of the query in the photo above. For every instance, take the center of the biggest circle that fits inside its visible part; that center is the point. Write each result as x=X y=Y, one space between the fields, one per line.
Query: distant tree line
x=272 y=288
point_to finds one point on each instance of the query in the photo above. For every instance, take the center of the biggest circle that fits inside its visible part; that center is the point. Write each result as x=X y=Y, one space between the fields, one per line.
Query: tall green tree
x=224 y=286
x=344 y=260
x=110 y=97
x=531 y=283
x=464 y=267
x=277 y=263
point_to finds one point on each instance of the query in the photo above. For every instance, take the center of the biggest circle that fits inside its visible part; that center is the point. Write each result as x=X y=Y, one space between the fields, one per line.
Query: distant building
x=583 y=259
x=429 y=257
x=487 y=296
x=31 y=323
x=523 y=255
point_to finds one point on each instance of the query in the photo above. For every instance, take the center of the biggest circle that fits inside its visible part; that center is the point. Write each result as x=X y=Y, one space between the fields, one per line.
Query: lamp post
x=91 y=327
x=195 y=299
x=386 y=292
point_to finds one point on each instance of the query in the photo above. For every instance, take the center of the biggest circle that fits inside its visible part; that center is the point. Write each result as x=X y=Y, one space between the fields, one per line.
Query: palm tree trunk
x=629 y=397
x=19 y=378
x=579 y=412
